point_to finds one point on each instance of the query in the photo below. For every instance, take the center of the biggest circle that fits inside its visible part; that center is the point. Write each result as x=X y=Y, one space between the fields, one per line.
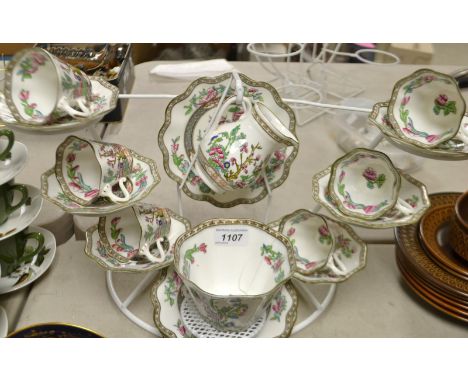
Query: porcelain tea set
x=425 y=116
x=44 y=94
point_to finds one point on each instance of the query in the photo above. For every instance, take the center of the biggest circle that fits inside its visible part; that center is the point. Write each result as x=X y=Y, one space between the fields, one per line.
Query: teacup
x=312 y=239
x=365 y=184
x=426 y=108
x=87 y=170
x=6 y=152
x=40 y=88
x=7 y=192
x=232 y=269
x=14 y=260
x=458 y=234
x=233 y=154
x=139 y=231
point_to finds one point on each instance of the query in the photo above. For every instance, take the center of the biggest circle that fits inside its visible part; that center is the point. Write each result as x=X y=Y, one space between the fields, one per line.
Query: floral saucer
x=13 y=166
x=24 y=215
x=167 y=297
x=96 y=251
x=26 y=275
x=187 y=116
x=144 y=176
x=104 y=100
x=349 y=249
x=454 y=149
x=412 y=192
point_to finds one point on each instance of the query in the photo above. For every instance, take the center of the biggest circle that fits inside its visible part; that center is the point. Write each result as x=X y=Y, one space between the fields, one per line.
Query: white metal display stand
x=305 y=292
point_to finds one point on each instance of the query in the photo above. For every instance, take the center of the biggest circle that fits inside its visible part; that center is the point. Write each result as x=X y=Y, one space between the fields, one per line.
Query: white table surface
x=372 y=303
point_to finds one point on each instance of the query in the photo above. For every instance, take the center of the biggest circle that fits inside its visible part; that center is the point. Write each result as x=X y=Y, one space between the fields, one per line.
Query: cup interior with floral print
x=135 y=232
x=87 y=170
x=232 y=269
x=311 y=238
x=426 y=108
x=40 y=88
x=364 y=183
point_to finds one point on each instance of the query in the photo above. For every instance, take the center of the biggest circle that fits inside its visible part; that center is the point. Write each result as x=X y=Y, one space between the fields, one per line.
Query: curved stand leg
x=123 y=305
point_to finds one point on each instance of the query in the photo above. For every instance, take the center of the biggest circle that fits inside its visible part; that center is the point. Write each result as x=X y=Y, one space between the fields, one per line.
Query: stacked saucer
x=425 y=116
x=428 y=262
x=26 y=252
x=364 y=188
x=93 y=178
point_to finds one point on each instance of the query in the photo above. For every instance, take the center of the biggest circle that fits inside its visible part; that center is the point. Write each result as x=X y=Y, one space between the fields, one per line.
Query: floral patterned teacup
x=233 y=154
x=313 y=242
x=87 y=170
x=365 y=184
x=426 y=108
x=233 y=268
x=139 y=231
x=40 y=88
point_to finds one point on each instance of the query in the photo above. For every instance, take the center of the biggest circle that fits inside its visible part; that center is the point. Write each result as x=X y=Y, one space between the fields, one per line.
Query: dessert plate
x=104 y=100
x=349 y=249
x=13 y=166
x=25 y=276
x=54 y=330
x=97 y=252
x=144 y=176
x=411 y=191
x=187 y=116
x=24 y=215
x=167 y=297
x=454 y=149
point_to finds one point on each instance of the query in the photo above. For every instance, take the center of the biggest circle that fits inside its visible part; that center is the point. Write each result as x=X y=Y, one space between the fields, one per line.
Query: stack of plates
x=427 y=263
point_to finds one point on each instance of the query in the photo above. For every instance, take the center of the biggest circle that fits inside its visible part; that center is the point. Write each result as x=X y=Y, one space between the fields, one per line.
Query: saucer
x=24 y=215
x=144 y=176
x=104 y=100
x=433 y=230
x=448 y=151
x=185 y=119
x=349 y=249
x=167 y=297
x=3 y=323
x=13 y=166
x=54 y=330
x=96 y=251
x=26 y=277
x=411 y=190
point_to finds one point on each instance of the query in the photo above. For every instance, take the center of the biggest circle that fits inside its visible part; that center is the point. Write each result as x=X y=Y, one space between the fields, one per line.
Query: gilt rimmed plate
x=185 y=119
x=454 y=149
x=97 y=252
x=23 y=216
x=412 y=192
x=144 y=176
x=104 y=100
x=25 y=276
x=167 y=297
x=349 y=248
x=11 y=167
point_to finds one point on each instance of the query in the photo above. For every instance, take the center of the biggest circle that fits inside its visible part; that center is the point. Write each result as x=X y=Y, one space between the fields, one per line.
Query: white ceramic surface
x=167 y=297
x=187 y=117
x=232 y=268
x=144 y=177
x=426 y=108
x=13 y=166
x=23 y=216
x=27 y=275
x=3 y=323
x=103 y=100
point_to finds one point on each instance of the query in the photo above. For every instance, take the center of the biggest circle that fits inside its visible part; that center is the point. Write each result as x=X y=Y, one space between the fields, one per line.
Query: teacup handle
x=39 y=237
x=246 y=104
x=145 y=251
x=5 y=154
x=404 y=207
x=336 y=265
x=86 y=112
x=107 y=191
x=24 y=191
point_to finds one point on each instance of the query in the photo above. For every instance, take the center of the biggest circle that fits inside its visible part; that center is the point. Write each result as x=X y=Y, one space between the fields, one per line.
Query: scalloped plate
x=182 y=129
